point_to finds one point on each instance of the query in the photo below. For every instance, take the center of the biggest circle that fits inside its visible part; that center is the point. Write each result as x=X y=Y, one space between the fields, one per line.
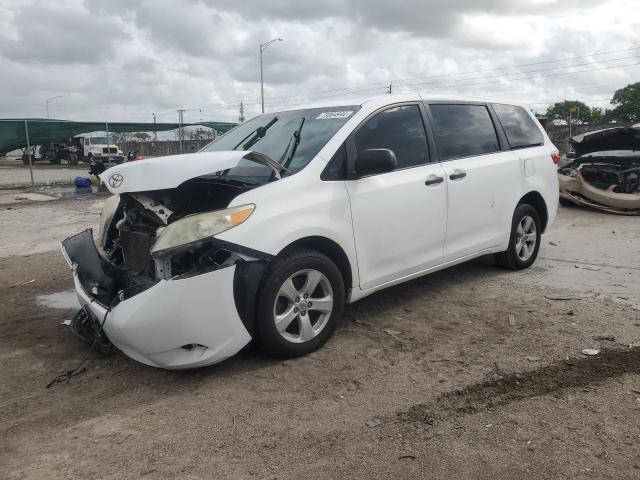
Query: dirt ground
x=467 y=373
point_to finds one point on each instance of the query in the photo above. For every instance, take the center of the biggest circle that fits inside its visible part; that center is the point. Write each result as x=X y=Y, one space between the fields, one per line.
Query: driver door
x=399 y=217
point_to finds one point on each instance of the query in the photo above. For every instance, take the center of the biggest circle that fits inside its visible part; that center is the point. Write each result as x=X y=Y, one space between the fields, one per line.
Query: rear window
x=463 y=130
x=519 y=127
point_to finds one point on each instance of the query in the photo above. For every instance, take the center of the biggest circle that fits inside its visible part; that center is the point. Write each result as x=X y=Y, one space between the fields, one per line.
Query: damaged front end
x=606 y=173
x=169 y=292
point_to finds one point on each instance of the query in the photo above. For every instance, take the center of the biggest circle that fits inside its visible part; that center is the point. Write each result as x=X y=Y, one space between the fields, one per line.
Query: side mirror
x=375 y=160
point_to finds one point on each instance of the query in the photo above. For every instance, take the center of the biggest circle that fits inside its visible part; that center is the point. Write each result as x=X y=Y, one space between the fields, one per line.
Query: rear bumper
x=175 y=324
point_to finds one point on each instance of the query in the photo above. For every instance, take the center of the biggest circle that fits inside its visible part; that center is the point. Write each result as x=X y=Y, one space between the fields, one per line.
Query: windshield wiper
x=290 y=151
x=256 y=135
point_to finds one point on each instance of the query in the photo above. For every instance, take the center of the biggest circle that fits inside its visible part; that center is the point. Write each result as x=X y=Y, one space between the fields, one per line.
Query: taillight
x=555 y=157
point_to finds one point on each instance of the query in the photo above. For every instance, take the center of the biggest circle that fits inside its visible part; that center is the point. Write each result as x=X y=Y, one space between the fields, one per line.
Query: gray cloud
x=45 y=34
x=123 y=60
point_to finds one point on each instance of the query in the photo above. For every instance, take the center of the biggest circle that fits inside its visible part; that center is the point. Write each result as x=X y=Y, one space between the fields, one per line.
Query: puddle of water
x=66 y=300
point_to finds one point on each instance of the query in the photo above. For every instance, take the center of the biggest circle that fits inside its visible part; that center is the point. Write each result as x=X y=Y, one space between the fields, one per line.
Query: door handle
x=457 y=174
x=433 y=180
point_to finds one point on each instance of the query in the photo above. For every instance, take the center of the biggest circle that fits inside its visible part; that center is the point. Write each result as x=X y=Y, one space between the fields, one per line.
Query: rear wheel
x=524 y=242
x=300 y=303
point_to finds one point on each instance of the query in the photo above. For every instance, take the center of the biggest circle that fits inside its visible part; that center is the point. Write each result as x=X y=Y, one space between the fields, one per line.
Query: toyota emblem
x=115 y=180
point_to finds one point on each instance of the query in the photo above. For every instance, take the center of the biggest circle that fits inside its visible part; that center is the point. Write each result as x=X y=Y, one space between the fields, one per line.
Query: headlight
x=108 y=211
x=197 y=227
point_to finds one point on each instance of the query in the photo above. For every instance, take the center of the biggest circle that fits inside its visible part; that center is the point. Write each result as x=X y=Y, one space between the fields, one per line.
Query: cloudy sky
x=122 y=60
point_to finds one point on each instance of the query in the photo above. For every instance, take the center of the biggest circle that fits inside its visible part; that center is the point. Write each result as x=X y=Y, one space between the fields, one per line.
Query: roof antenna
x=390 y=85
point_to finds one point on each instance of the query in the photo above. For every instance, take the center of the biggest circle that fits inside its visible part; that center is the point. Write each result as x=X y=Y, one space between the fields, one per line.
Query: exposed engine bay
x=606 y=173
x=139 y=220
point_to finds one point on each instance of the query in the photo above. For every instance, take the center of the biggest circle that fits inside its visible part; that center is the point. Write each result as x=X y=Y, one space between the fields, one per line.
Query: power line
x=349 y=90
x=440 y=86
x=386 y=82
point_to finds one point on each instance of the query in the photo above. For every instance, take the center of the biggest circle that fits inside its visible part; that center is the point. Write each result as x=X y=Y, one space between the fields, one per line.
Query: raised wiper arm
x=289 y=152
x=256 y=135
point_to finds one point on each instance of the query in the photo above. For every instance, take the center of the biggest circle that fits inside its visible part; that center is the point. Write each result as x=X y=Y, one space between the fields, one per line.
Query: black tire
x=73 y=159
x=268 y=337
x=511 y=258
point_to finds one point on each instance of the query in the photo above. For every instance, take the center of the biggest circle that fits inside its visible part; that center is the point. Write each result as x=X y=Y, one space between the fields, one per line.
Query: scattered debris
x=533 y=358
x=407 y=457
x=499 y=367
x=392 y=332
x=22 y=283
x=373 y=423
x=570 y=312
x=124 y=438
x=66 y=322
x=512 y=320
x=593 y=269
x=590 y=351
x=607 y=338
x=563 y=297
x=553 y=243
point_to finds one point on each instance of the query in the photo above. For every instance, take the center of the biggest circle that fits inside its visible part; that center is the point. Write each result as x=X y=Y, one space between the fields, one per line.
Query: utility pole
x=241 y=117
x=263 y=47
x=26 y=131
x=390 y=85
x=46 y=102
x=155 y=132
x=180 y=118
x=571 y=110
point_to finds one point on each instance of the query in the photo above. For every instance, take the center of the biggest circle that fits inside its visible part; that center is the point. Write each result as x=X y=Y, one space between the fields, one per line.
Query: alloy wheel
x=303 y=305
x=526 y=238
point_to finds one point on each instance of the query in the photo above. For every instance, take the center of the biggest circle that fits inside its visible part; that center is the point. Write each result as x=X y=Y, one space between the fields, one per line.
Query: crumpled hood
x=618 y=138
x=168 y=172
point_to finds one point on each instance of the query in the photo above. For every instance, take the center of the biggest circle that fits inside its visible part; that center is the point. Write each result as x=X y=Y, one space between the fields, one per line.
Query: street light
x=49 y=100
x=263 y=47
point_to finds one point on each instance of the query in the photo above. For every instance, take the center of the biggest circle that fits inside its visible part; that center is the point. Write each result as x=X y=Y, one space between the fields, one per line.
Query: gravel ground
x=467 y=373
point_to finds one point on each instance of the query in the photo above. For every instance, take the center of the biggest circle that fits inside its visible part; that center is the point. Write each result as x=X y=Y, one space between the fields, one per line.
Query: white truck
x=83 y=148
x=99 y=147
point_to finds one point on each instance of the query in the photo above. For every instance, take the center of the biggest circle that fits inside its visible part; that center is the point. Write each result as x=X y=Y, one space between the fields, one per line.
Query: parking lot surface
x=472 y=372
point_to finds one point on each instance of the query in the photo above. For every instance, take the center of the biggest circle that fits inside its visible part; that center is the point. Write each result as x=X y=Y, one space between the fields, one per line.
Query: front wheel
x=300 y=303
x=524 y=242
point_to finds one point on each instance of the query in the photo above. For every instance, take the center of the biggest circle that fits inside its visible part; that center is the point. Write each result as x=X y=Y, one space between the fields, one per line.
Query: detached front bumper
x=175 y=324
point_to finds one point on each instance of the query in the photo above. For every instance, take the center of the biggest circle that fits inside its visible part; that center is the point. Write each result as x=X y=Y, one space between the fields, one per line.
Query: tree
x=626 y=102
x=200 y=134
x=597 y=115
x=143 y=137
x=122 y=137
x=560 y=111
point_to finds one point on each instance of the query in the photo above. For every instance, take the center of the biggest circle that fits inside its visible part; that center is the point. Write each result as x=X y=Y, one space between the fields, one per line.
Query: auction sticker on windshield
x=340 y=114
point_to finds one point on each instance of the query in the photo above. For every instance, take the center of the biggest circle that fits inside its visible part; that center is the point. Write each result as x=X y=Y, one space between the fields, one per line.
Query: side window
x=336 y=169
x=86 y=141
x=463 y=130
x=399 y=129
x=519 y=127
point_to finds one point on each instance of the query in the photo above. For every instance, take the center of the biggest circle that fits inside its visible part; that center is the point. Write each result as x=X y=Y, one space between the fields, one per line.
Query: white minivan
x=266 y=232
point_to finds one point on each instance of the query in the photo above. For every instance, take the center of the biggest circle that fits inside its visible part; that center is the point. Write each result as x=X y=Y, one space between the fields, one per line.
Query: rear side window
x=399 y=129
x=519 y=127
x=463 y=130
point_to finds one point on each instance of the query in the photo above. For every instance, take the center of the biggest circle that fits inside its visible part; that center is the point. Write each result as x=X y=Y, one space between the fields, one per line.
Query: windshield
x=101 y=140
x=276 y=134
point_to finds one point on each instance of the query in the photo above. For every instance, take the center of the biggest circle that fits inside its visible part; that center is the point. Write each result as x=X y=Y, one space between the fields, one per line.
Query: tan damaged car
x=604 y=172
